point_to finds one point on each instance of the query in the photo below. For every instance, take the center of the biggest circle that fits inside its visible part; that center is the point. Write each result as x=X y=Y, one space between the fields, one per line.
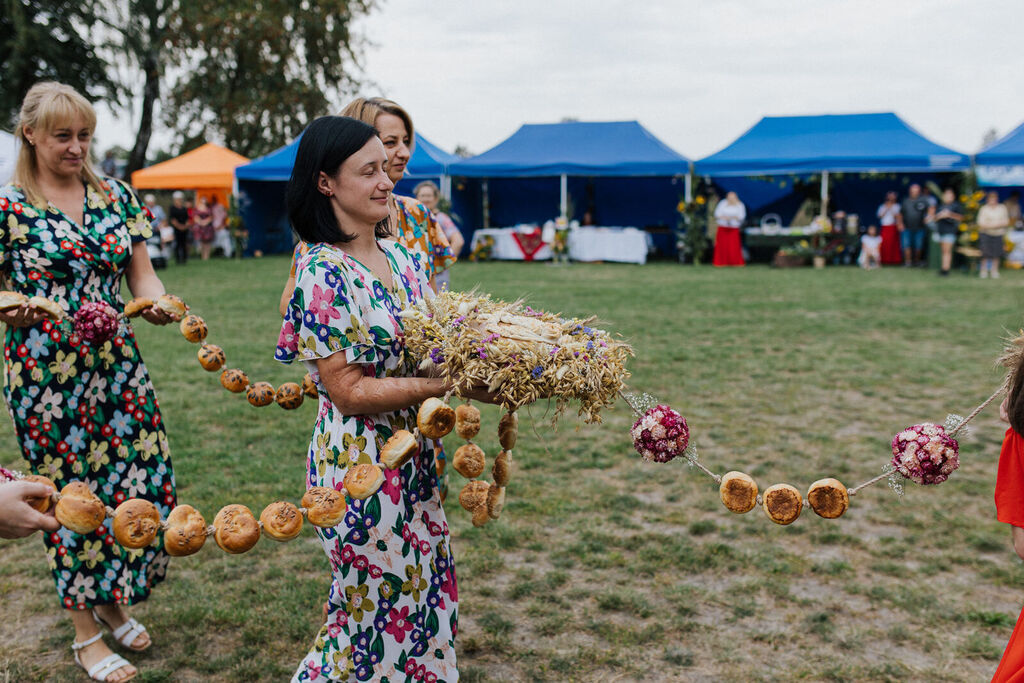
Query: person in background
x=178 y=214
x=916 y=212
x=202 y=222
x=889 y=218
x=947 y=225
x=109 y=164
x=870 y=249
x=588 y=218
x=428 y=194
x=158 y=221
x=729 y=214
x=221 y=234
x=993 y=223
x=1012 y=204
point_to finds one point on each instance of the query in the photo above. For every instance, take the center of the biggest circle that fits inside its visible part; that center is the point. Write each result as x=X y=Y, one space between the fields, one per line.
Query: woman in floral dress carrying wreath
x=393 y=603
x=82 y=412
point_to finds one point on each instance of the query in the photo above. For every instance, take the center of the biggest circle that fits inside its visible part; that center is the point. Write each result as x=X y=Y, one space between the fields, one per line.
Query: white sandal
x=106 y=666
x=126 y=634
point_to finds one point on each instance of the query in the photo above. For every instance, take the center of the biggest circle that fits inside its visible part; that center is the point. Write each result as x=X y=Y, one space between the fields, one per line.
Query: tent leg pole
x=824 y=193
x=446 y=187
x=688 y=188
x=486 y=200
x=564 y=203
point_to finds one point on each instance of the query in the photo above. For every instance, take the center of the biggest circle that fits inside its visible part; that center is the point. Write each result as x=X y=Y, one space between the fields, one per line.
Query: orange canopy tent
x=209 y=170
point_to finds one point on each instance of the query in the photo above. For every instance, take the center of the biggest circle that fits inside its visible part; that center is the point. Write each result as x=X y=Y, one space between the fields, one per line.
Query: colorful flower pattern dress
x=420 y=232
x=393 y=603
x=82 y=413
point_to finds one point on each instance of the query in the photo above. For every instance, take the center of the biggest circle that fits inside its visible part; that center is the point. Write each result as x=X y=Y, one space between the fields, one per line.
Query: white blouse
x=730 y=215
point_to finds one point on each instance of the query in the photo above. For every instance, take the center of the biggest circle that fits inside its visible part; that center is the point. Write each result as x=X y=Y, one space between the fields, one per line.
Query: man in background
x=916 y=211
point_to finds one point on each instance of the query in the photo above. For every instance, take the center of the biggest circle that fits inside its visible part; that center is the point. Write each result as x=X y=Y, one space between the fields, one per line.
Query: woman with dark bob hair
x=393 y=604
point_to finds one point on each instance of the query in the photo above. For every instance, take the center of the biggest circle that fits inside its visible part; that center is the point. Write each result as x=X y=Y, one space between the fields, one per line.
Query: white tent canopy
x=8 y=154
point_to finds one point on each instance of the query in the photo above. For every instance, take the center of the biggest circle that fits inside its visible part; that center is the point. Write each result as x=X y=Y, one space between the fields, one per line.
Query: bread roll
x=186 y=531
x=324 y=507
x=480 y=516
x=738 y=492
x=236 y=529
x=782 y=503
x=234 y=380
x=467 y=421
x=211 y=357
x=51 y=308
x=289 y=396
x=495 y=500
x=309 y=386
x=473 y=495
x=398 y=450
x=260 y=394
x=502 y=470
x=193 y=328
x=282 y=521
x=9 y=300
x=79 y=509
x=828 y=498
x=41 y=503
x=435 y=419
x=136 y=523
x=362 y=481
x=171 y=304
x=508 y=430
x=137 y=306
x=469 y=461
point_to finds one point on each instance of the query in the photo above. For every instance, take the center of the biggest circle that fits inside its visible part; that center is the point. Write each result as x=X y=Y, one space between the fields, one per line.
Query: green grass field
x=604 y=567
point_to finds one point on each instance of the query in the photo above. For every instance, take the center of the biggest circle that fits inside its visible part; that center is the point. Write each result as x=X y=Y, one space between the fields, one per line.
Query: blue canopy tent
x=626 y=175
x=261 y=185
x=864 y=144
x=1001 y=164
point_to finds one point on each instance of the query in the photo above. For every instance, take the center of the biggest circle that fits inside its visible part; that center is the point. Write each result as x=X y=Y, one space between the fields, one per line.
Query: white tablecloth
x=622 y=245
x=505 y=246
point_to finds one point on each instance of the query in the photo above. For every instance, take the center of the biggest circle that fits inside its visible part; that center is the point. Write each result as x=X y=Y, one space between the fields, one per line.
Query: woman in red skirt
x=729 y=215
x=890 y=219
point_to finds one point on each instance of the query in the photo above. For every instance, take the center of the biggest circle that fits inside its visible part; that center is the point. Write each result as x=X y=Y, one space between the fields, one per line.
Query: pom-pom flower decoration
x=661 y=434
x=925 y=453
x=95 y=322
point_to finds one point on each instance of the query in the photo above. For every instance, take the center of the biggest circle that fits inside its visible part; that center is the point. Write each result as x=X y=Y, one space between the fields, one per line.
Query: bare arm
x=143 y=281
x=457 y=241
x=353 y=393
x=286 y=295
x=17 y=518
x=1018 y=541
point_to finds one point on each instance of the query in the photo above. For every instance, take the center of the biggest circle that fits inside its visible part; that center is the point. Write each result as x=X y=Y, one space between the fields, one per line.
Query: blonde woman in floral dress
x=393 y=603
x=83 y=412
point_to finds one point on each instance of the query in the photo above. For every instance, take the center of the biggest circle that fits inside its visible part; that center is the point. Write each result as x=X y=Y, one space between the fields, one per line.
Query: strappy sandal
x=125 y=634
x=106 y=666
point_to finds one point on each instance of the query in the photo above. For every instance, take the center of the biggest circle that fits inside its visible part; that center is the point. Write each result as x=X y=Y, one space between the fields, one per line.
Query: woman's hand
x=158 y=316
x=23 y=316
x=17 y=518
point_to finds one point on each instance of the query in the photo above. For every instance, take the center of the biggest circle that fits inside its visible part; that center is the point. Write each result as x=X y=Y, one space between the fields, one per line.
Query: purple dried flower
x=925 y=453
x=95 y=322
x=661 y=434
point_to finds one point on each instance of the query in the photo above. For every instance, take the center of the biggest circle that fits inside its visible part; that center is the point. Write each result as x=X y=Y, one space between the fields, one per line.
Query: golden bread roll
x=399 y=449
x=480 y=516
x=137 y=306
x=79 y=509
x=282 y=521
x=362 y=481
x=234 y=380
x=435 y=418
x=309 y=386
x=324 y=507
x=211 y=357
x=186 y=531
x=738 y=492
x=168 y=303
x=782 y=503
x=235 y=529
x=9 y=300
x=40 y=503
x=469 y=461
x=474 y=495
x=828 y=498
x=193 y=328
x=260 y=394
x=136 y=523
x=289 y=396
x=47 y=306
x=508 y=430
x=501 y=472
x=495 y=500
x=467 y=421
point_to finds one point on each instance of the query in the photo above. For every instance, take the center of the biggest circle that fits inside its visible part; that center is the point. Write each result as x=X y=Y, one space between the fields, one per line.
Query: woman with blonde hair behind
x=83 y=412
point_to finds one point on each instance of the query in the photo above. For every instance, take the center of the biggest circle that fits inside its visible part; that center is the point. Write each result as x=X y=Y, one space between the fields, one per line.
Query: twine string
x=874 y=480
x=974 y=413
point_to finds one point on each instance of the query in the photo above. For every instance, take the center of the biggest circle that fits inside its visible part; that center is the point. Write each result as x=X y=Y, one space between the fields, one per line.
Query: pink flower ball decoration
x=660 y=435
x=95 y=322
x=925 y=453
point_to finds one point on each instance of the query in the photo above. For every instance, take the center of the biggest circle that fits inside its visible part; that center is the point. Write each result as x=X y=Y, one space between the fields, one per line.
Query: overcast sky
x=697 y=74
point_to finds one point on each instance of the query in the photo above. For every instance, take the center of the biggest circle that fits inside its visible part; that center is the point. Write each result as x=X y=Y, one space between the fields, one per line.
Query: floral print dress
x=393 y=601
x=420 y=232
x=84 y=413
